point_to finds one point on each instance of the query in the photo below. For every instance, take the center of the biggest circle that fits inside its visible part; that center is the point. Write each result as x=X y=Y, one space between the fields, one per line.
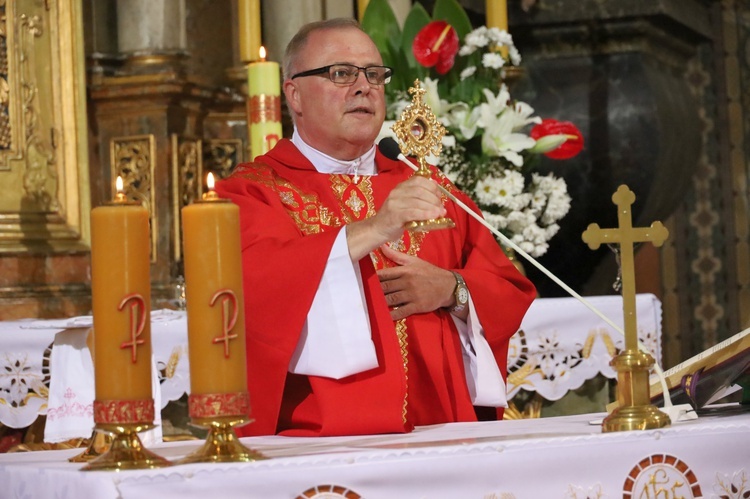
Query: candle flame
x=262 y=53
x=119 y=194
x=210 y=182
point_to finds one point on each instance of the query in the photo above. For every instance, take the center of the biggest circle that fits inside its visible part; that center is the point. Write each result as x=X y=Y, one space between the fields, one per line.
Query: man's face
x=339 y=120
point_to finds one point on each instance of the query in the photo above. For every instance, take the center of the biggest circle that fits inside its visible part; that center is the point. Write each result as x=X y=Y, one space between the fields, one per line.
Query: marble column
x=616 y=69
x=282 y=19
x=401 y=8
x=337 y=8
x=151 y=32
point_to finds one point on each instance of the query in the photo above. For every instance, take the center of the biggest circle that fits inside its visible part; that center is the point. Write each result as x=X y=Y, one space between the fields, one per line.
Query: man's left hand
x=415 y=286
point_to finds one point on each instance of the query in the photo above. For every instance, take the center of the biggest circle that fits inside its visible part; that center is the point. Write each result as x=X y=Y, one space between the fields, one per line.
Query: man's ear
x=291 y=92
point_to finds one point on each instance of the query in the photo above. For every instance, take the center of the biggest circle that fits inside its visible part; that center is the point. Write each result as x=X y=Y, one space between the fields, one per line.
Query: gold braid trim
x=308 y=213
x=403 y=342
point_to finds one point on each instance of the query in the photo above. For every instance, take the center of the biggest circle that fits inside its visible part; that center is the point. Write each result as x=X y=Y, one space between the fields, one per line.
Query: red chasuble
x=290 y=216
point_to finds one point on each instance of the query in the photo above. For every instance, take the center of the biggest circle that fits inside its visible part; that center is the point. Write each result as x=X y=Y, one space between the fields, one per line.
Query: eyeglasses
x=347 y=74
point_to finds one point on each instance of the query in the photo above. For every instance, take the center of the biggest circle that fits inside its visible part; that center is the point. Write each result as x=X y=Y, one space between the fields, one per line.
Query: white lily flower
x=548 y=143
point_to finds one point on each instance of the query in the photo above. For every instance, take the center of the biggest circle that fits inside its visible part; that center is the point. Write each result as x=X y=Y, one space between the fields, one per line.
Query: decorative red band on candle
x=124 y=411
x=211 y=405
x=229 y=313
x=264 y=108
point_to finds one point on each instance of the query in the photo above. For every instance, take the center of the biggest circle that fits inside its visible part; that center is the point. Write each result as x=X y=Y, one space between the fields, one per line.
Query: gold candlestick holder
x=419 y=133
x=99 y=443
x=634 y=411
x=123 y=420
x=220 y=413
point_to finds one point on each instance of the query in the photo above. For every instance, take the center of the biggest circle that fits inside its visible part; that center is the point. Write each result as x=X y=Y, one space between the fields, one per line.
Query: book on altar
x=708 y=376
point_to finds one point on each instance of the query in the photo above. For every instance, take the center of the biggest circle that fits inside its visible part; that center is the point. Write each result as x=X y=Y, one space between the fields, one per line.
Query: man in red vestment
x=354 y=325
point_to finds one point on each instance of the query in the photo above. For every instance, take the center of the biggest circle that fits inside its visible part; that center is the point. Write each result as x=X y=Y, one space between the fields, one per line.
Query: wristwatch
x=461 y=293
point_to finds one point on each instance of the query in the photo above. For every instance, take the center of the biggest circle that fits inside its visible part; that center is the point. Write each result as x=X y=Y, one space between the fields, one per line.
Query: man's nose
x=361 y=84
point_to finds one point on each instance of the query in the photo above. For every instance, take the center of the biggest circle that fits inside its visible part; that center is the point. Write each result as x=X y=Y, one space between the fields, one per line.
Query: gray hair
x=298 y=41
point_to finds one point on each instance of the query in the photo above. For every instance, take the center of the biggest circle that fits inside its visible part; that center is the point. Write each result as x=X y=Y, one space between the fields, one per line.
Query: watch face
x=463 y=295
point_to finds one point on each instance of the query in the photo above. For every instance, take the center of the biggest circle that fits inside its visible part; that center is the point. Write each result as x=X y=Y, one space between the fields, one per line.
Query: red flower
x=436 y=45
x=571 y=147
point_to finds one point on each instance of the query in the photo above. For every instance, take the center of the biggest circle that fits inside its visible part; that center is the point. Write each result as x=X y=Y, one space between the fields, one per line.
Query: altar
x=565 y=457
x=46 y=366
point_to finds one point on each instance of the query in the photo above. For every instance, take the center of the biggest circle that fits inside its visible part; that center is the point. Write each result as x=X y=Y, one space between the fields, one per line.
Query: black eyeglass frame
x=326 y=70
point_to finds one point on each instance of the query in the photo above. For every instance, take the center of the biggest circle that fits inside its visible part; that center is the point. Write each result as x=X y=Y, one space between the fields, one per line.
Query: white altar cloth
x=563 y=457
x=561 y=344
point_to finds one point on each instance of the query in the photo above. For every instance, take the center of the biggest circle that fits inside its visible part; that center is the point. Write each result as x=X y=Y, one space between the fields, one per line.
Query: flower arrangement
x=493 y=142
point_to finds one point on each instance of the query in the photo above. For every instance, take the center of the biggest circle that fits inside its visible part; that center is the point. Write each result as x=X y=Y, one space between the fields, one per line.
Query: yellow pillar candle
x=263 y=105
x=121 y=296
x=249 y=29
x=361 y=8
x=497 y=14
x=213 y=288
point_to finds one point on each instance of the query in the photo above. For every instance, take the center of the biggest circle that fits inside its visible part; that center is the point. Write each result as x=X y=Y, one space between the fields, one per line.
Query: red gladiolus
x=436 y=45
x=571 y=147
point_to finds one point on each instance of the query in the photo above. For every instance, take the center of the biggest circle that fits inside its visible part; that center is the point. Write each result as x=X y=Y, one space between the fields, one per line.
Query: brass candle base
x=100 y=443
x=126 y=451
x=431 y=224
x=222 y=444
x=643 y=417
x=634 y=412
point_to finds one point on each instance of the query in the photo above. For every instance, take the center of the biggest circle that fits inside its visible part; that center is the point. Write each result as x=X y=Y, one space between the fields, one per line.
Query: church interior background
x=155 y=90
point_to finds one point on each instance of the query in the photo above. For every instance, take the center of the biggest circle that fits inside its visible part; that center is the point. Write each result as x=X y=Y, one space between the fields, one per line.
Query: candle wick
x=210 y=195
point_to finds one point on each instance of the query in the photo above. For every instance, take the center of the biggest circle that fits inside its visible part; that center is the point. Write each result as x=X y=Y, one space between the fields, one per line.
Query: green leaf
x=381 y=24
x=417 y=19
x=452 y=12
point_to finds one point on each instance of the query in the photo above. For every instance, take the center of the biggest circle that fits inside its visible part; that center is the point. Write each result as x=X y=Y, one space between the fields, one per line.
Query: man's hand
x=415 y=286
x=417 y=198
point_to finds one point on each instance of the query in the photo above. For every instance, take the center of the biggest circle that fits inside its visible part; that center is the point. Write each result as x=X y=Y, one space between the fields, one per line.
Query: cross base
x=634 y=412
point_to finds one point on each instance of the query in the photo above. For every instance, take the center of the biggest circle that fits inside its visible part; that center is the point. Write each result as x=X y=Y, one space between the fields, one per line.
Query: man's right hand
x=417 y=198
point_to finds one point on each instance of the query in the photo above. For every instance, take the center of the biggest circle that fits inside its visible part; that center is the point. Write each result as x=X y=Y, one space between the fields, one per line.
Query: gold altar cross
x=626 y=235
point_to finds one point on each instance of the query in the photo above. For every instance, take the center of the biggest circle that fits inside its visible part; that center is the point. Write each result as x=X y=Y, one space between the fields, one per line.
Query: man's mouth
x=360 y=110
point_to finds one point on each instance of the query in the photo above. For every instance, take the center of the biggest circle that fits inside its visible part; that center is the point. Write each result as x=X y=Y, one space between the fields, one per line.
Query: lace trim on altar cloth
x=562 y=344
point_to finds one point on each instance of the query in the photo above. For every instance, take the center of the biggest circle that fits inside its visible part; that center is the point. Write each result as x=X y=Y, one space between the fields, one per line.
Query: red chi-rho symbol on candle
x=137 y=309
x=229 y=312
x=271 y=140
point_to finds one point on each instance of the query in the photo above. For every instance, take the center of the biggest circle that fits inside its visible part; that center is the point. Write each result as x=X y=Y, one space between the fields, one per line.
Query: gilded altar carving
x=133 y=159
x=221 y=155
x=187 y=181
x=44 y=191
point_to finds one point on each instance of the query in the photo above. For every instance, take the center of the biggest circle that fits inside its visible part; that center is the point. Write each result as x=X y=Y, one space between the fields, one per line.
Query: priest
x=355 y=325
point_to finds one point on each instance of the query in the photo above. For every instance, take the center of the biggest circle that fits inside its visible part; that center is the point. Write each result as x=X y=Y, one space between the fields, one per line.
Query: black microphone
x=389 y=148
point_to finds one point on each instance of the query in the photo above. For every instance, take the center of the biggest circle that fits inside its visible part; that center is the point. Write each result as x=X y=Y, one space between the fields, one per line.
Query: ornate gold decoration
x=221 y=155
x=420 y=134
x=187 y=182
x=211 y=405
x=134 y=159
x=308 y=213
x=6 y=137
x=98 y=444
x=40 y=178
x=44 y=198
x=124 y=411
x=403 y=342
x=220 y=413
x=661 y=475
x=634 y=411
x=126 y=452
x=531 y=410
x=122 y=420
